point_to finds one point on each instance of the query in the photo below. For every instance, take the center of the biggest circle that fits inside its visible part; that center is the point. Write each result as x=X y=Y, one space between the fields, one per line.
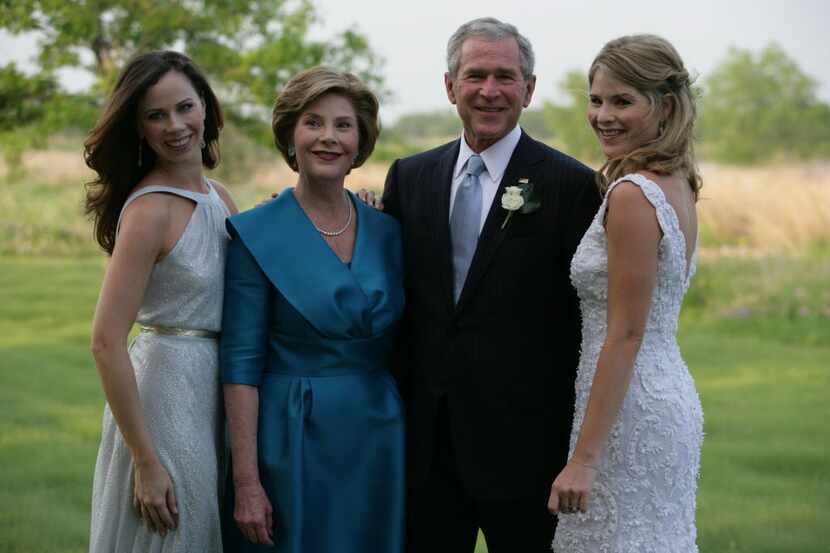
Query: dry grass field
x=783 y=207
x=779 y=208
x=759 y=209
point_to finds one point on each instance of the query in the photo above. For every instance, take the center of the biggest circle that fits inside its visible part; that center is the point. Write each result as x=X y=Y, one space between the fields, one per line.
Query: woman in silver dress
x=163 y=223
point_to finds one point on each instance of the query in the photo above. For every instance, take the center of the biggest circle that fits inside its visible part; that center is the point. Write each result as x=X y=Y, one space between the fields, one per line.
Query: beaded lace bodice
x=589 y=269
x=644 y=497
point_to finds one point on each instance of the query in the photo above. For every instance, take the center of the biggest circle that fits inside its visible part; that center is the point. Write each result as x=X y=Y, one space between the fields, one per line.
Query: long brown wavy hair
x=652 y=66
x=112 y=146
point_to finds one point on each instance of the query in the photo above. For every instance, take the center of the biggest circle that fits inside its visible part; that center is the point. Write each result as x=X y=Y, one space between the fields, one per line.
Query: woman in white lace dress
x=631 y=480
x=163 y=223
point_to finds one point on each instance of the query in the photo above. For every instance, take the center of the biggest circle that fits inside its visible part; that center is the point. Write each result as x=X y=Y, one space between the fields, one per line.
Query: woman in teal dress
x=313 y=293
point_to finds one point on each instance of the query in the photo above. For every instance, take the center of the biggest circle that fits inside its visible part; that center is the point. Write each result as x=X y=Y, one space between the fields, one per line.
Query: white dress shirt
x=495 y=159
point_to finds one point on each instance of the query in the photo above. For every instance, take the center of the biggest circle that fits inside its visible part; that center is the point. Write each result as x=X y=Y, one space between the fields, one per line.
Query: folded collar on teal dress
x=363 y=299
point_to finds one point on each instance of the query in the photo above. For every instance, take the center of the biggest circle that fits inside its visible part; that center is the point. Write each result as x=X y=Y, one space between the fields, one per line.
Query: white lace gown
x=178 y=385
x=643 y=500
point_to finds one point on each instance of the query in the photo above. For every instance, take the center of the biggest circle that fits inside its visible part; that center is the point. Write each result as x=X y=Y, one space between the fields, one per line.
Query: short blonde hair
x=305 y=88
x=652 y=66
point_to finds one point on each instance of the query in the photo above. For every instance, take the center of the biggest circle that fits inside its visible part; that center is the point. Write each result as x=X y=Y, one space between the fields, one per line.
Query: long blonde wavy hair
x=652 y=66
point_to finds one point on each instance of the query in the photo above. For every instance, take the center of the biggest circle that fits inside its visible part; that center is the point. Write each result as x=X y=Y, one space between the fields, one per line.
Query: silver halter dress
x=175 y=358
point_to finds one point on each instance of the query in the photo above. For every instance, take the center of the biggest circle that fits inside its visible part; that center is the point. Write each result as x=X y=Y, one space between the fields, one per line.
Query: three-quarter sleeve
x=243 y=348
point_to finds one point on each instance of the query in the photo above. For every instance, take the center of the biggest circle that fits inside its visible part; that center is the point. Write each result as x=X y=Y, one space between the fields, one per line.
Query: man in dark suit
x=490 y=338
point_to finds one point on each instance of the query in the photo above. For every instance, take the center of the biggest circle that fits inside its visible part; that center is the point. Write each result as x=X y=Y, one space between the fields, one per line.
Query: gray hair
x=488 y=28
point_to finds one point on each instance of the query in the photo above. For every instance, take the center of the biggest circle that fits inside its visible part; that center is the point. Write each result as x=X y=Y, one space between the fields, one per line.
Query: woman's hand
x=253 y=514
x=370 y=198
x=154 y=498
x=570 y=491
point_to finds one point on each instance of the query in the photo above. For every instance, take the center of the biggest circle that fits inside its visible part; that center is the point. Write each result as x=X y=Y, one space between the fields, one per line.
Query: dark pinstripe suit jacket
x=505 y=357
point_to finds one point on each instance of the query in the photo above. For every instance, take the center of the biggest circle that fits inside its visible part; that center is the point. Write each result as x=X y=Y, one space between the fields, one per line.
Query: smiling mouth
x=327 y=156
x=610 y=133
x=178 y=143
x=490 y=109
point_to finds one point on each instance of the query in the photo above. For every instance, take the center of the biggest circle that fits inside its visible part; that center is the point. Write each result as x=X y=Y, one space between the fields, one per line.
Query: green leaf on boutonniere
x=531 y=198
x=519 y=199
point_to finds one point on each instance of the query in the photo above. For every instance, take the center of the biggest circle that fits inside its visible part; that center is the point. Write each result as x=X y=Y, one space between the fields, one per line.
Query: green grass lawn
x=760 y=358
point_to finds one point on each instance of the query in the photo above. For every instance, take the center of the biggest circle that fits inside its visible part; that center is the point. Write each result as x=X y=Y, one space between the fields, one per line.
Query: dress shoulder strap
x=651 y=190
x=666 y=215
x=216 y=198
x=195 y=196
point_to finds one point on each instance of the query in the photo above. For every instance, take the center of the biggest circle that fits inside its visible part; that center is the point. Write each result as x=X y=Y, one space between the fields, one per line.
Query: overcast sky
x=411 y=36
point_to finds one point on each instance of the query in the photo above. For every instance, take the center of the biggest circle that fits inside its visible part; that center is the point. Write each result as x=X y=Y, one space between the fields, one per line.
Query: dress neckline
x=356 y=223
x=186 y=191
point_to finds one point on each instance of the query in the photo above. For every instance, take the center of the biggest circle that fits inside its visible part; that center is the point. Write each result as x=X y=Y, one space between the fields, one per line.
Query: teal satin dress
x=315 y=336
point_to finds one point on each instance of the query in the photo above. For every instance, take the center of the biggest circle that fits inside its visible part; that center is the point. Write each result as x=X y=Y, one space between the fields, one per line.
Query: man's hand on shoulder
x=270 y=198
x=370 y=198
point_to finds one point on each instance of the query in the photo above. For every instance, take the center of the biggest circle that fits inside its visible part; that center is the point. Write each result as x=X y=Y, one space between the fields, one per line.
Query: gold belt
x=175 y=331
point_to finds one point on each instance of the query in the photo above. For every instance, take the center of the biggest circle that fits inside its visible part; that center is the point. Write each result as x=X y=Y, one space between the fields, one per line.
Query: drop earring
x=291 y=151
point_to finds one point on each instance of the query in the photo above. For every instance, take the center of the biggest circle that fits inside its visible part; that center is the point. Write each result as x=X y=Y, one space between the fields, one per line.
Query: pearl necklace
x=342 y=230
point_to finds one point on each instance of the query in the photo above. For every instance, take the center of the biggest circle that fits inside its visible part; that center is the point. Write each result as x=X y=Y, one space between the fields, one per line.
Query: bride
x=631 y=479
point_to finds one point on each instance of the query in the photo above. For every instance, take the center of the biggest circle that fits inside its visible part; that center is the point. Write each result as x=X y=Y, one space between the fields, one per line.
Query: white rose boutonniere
x=520 y=199
x=511 y=201
x=512 y=198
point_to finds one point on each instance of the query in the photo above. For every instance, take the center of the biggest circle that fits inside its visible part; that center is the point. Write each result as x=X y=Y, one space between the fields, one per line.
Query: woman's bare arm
x=140 y=243
x=633 y=238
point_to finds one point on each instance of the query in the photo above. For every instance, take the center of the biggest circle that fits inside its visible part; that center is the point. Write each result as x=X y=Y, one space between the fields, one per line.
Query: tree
x=22 y=98
x=429 y=125
x=22 y=111
x=568 y=122
x=31 y=108
x=249 y=48
x=535 y=122
x=762 y=106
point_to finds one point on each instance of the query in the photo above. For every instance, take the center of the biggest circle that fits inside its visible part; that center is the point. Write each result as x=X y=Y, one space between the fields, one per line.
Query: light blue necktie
x=465 y=222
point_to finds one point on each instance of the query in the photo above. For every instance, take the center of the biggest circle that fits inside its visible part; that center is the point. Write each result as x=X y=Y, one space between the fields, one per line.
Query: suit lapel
x=492 y=235
x=440 y=218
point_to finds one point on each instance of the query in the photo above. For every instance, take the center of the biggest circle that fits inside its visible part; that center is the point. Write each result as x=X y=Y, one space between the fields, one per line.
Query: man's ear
x=530 y=86
x=448 y=84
